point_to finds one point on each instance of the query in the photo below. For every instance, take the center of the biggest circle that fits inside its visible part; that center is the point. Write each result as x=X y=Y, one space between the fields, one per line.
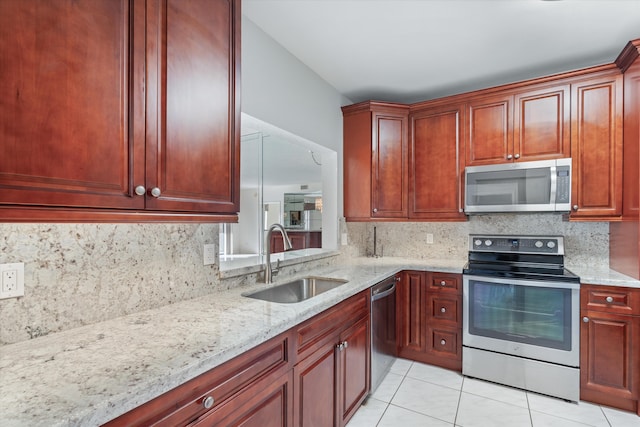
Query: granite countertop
x=92 y=374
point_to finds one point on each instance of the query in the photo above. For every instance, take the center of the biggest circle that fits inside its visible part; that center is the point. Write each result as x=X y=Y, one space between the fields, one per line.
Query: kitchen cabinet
x=331 y=378
x=596 y=146
x=254 y=389
x=609 y=346
x=299 y=240
x=519 y=126
x=119 y=110
x=430 y=318
x=624 y=243
x=436 y=192
x=375 y=161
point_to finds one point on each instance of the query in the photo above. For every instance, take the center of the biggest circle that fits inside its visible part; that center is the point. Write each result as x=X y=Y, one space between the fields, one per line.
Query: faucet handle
x=277 y=269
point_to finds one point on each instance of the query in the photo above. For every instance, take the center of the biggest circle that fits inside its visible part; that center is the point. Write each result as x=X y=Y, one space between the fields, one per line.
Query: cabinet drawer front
x=444 y=310
x=325 y=327
x=445 y=342
x=186 y=402
x=611 y=299
x=443 y=282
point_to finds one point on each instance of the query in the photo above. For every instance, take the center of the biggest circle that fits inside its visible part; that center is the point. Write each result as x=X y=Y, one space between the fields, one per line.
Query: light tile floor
x=414 y=394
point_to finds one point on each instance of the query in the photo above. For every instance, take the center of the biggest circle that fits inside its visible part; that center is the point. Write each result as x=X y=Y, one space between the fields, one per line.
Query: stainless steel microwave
x=540 y=186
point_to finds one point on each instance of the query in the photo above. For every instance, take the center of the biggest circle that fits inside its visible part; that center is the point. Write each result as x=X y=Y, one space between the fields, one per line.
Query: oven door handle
x=521 y=282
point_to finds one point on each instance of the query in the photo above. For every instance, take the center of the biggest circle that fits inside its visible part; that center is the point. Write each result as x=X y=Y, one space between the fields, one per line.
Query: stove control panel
x=553 y=245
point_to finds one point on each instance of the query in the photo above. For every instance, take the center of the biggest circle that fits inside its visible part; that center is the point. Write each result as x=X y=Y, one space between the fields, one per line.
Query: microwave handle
x=554 y=184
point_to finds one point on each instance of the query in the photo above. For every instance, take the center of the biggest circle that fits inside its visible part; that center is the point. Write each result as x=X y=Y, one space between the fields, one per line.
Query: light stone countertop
x=92 y=374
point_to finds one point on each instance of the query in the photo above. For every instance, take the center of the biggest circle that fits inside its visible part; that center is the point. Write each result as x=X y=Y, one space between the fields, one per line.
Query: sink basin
x=298 y=290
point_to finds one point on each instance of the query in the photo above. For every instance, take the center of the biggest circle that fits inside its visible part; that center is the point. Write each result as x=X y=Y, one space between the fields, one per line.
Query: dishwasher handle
x=382 y=293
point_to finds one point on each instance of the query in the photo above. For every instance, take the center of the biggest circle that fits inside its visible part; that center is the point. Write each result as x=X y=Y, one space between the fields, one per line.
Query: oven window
x=527 y=314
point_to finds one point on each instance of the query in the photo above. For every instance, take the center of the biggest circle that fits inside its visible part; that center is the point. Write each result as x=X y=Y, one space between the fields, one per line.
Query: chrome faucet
x=268 y=272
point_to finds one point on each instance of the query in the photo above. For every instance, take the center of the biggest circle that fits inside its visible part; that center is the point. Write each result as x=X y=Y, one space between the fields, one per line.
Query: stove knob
x=551 y=245
x=478 y=242
x=539 y=244
x=488 y=242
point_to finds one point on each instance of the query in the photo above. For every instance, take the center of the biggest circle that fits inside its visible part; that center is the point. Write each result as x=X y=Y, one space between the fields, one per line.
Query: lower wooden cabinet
x=331 y=378
x=429 y=318
x=609 y=346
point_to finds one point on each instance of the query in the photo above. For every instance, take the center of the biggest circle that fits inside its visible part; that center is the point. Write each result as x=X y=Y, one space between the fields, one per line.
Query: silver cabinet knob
x=375 y=210
x=443 y=310
x=443 y=342
x=140 y=190
x=346 y=344
x=398 y=279
x=609 y=299
x=517 y=156
x=155 y=192
x=443 y=283
x=208 y=402
x=509 y=157
x=575 y=207
x=585 y=319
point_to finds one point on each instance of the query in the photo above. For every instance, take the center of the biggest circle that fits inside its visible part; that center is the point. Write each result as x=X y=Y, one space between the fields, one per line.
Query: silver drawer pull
x=208 y=402
x=443 y=310
x=443 y=342
x=443 y=283
x=585 y=319
x=609 y=299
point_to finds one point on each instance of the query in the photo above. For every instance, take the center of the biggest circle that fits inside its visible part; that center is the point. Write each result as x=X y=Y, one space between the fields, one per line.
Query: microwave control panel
x=563 y=184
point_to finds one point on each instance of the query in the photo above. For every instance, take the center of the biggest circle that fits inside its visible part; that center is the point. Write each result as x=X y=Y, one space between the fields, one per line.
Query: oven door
x=533 y=319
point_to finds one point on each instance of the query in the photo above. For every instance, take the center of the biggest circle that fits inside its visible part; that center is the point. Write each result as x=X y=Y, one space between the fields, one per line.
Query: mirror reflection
x=281 y=179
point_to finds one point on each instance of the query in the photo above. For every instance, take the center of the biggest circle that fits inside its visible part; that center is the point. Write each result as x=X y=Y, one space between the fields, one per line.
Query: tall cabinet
x=117 y=110
x=624 y=249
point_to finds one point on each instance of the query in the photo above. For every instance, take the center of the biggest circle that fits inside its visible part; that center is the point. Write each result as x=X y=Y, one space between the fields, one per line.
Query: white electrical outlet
x=12 y=280
x=209 y=254
x=429 y=238
x=343 y=239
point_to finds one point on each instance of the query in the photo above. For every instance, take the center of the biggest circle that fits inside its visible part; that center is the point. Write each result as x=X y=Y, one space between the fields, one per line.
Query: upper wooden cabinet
x=596 y=146
x=119 y=110
x=375 y=161
x=436 y=163
x=518 y=126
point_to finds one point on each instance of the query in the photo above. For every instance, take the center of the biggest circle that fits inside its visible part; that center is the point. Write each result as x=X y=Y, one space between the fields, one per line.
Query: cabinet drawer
x=612 y=299
x=325 y=327
x=443 y=282
x=185 y=403
x=444 y=342
x=444 y=310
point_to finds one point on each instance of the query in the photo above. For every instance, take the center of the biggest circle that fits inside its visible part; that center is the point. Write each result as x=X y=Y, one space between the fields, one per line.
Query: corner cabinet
x=429 y=318
x=596 y=146
x=122 y=110
x=375 y=161
x=436 y=163
x=610 y=346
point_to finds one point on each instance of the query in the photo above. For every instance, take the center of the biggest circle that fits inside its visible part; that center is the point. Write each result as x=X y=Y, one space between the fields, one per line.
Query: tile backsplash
x=77 y=274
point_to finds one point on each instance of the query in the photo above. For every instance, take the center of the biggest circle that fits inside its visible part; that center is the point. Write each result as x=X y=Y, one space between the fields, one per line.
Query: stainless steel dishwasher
x=383 y=329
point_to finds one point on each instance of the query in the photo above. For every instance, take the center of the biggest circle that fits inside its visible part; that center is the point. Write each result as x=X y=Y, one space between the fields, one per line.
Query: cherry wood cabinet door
x=353 y=366
x=610 y=359
x=436 y=163
x=315 y=387
x=389 y=180
x=596 y=147
x=193 y=105
x=489 y=130
x=411 y=316
x=71 y=86
x=542 y=124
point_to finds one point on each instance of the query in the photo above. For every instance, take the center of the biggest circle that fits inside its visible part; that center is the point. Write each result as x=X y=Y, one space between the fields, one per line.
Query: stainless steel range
x=521 y=315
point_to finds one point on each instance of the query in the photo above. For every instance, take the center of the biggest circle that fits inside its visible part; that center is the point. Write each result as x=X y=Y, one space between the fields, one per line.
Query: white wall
x=279 y=89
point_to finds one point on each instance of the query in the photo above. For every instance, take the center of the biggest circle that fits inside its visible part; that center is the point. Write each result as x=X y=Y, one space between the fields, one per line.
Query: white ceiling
x=414 y=50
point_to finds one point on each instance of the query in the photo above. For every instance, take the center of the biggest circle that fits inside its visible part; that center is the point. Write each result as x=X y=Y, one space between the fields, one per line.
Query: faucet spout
x=268 y=272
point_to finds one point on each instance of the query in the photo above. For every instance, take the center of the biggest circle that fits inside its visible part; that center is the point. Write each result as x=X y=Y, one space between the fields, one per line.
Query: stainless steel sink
x=298 y=290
